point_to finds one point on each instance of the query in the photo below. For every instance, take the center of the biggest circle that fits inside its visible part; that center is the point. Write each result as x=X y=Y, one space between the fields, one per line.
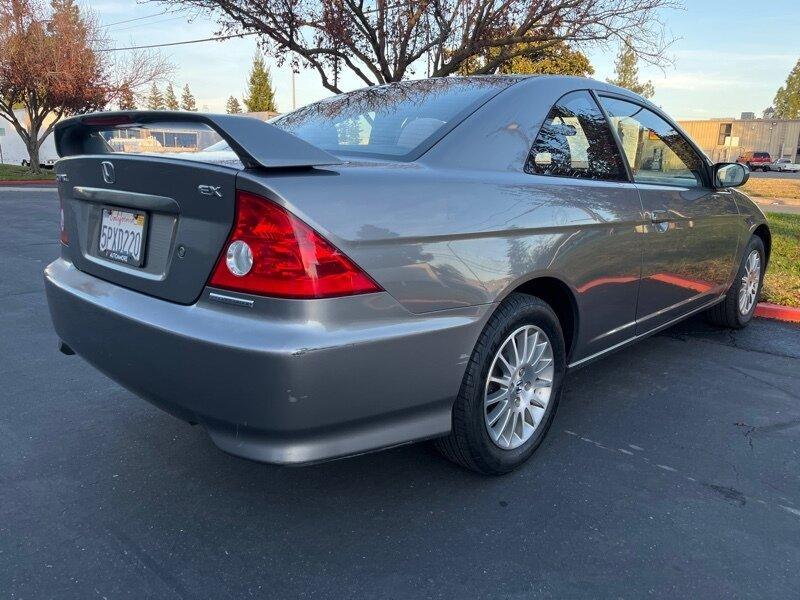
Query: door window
x=656 y=152
x=575 y=141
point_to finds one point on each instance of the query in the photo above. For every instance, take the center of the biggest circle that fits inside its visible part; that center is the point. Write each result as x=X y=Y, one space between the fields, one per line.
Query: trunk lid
x=161 y=186
x=188 y=210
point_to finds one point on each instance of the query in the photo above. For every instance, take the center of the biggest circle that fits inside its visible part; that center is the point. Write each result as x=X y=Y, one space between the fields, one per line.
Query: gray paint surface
x=447 y=236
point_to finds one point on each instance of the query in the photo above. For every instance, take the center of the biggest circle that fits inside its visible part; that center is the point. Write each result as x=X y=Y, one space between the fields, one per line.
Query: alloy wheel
x=518 y=387
x=748 y=291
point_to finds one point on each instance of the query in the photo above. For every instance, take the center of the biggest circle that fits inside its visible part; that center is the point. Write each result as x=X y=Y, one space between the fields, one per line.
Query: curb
x=37 y=182
x=776 y=311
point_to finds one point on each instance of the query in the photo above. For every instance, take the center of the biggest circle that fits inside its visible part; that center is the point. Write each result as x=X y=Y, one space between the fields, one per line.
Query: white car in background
x=785 y=164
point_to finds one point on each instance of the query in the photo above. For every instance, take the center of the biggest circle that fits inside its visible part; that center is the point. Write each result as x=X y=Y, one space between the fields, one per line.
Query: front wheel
x=510 y=390
x=736 y=311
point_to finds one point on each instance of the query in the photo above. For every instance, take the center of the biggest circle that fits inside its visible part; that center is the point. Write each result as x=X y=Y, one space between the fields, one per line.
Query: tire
x=728 y=313
x=766 y=169
x=469 y=443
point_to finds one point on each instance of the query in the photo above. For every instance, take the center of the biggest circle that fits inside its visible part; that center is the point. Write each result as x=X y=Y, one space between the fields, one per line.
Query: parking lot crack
x=747 y=434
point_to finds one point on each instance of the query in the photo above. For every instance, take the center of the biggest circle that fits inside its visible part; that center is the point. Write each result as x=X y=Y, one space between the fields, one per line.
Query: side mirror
x=730 y=175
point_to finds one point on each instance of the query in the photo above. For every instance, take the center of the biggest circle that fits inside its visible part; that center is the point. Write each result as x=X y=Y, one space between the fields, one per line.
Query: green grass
x=16 y=173
x=782 y=282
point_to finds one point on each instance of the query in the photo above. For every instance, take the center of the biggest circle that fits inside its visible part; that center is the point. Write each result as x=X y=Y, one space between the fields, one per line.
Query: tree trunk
x=33 y=154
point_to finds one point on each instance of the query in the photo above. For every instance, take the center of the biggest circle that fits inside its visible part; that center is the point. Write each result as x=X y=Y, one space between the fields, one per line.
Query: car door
x=601 y=255
x=690 y=230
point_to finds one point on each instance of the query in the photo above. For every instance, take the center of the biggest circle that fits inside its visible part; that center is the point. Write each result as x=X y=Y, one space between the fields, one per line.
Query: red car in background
x=756 y=160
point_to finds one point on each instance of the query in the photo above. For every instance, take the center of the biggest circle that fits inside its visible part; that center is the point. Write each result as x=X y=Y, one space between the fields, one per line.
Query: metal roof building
x=725 y=139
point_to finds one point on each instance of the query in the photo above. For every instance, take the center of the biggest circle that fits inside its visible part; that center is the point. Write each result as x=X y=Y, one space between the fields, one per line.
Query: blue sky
x=729 y=57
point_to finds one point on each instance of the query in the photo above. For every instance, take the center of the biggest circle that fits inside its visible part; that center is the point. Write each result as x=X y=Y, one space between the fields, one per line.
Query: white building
x=12 y=148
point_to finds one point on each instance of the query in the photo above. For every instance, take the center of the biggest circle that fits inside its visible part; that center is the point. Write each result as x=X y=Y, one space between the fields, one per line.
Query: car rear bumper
x=283 y=381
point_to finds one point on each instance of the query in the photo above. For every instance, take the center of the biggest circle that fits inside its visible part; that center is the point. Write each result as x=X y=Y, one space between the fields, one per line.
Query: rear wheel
x=736 y=311
x=510 y=390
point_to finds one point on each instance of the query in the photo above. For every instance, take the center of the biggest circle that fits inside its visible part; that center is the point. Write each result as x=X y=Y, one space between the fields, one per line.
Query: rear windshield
x=185 y=140
x=397 y=121
x=762 y=155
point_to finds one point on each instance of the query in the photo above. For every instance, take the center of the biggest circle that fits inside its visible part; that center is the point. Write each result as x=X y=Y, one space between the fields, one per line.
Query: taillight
x=62 y=227
x=271 y=252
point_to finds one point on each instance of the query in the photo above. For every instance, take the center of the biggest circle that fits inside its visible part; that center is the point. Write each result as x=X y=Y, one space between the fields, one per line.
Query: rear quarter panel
x=439 y=240
x=465 y=225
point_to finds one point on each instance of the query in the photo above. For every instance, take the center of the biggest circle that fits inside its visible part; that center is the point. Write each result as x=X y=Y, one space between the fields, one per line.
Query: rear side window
x=575 y=141
x=396 y=121
x=656 y=152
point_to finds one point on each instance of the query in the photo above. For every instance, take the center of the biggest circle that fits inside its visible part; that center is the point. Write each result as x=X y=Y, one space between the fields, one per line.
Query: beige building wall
x=725 y=139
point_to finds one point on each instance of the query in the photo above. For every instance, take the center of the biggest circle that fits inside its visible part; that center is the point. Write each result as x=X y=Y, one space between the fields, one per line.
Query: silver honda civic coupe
x=420 y=260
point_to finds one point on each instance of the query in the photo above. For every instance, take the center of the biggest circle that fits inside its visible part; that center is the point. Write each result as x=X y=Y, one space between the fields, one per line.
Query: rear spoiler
x=256 y=143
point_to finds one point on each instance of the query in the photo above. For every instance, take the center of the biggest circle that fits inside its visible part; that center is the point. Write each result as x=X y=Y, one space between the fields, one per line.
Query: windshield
x=398 y=120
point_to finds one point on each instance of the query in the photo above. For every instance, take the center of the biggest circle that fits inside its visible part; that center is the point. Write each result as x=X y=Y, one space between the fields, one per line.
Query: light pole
x=294 y=96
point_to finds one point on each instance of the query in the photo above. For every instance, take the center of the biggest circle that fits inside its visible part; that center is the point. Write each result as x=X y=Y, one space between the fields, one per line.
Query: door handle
x=659 y=216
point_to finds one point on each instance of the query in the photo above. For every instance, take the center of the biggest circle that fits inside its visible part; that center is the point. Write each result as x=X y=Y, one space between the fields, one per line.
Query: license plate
x=122 y=235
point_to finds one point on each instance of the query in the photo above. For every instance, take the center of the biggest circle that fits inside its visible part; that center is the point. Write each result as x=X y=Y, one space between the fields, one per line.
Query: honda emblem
x=108 y=171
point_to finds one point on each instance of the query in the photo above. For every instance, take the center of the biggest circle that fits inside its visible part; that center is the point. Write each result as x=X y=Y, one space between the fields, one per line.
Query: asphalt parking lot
x=775 y=175
x=672 y=470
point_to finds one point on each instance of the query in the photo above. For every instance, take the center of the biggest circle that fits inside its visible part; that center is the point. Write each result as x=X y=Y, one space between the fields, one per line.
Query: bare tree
x=381 y=41
x=52 y=65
